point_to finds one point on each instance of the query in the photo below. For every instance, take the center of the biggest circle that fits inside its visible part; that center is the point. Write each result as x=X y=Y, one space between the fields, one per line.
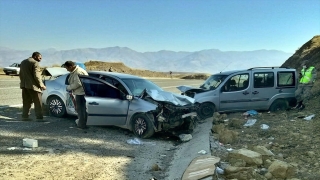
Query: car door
x=106 y=105
x=263 y=89
x=235 y=93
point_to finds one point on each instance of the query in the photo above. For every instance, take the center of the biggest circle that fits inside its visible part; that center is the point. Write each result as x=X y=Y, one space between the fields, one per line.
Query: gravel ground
x=66 y=152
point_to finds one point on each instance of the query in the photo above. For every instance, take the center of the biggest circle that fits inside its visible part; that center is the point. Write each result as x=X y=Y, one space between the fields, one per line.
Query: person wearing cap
x=110 y=69
x=308 y=76
x=32 y=86
x=74 y=85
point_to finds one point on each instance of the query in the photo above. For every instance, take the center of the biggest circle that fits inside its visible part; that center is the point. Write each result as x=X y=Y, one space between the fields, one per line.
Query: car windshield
x=14 y=65
x=213 y=82
x=136 y=86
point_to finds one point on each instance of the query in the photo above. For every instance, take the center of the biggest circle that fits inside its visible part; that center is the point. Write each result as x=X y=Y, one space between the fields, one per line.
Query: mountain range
x=204 y=61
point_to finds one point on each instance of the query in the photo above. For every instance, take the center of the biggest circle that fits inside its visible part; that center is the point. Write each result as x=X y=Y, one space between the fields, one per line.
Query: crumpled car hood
x=175 y=99
x=187 y=88
x=54 y=72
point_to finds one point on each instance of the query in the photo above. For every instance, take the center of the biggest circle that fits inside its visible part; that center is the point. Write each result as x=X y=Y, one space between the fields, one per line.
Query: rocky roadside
x=281 y=145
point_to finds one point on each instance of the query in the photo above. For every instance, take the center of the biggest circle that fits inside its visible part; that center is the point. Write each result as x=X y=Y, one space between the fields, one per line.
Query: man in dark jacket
x=32 y=86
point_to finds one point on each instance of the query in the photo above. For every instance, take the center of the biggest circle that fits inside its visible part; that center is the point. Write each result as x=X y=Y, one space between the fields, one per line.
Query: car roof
x=115 y=74
x=229 y=72
x=256 y=69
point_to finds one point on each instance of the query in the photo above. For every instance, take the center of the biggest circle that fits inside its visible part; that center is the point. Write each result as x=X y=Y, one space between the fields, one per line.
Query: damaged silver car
x=125 y=101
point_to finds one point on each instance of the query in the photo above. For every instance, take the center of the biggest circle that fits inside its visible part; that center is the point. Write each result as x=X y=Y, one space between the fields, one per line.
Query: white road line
x=11 y=88
x=16 y=105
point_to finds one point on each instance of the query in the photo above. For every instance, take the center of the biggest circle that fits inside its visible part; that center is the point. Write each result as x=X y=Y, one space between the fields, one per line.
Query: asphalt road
x=10 y=93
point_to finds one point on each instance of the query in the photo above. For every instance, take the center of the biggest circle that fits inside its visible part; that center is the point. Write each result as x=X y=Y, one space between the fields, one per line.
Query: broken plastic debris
x=27 y=149
x=250 y=122
x=219 y=170
x=252 y=112
x=229 y=149
x=202 y=152
x=32 y=143
x=309 y=117
x=12 y=148
x=139 y=142
x=134 y=141
x=264 y=126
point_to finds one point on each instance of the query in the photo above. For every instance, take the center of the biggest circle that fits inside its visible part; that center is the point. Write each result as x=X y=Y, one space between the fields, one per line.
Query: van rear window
x=286 y=79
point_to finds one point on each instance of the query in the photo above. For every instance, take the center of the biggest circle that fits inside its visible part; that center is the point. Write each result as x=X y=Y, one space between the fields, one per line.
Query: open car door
x=106 y=104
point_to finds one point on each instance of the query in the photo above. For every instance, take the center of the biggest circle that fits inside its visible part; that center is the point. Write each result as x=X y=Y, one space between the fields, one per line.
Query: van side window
x=286 y=79
x=236 y=83
x=263 y=79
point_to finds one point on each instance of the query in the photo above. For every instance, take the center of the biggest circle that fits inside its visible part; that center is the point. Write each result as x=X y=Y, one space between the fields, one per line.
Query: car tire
x=7 y=73
x=56 y=107
x=279 y=105
x=206 y=110
x=142 y=126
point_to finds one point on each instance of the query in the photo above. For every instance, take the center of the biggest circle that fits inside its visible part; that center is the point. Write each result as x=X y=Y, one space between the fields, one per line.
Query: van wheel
x=206 y=110
x=279 y=105
x=142 y=126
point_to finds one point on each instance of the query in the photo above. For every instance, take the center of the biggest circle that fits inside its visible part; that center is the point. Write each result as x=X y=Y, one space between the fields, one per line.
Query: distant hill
x=205 y=61
x=309 y=51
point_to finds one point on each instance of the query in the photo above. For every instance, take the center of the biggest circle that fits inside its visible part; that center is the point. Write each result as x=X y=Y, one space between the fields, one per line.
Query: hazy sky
x=154 y=25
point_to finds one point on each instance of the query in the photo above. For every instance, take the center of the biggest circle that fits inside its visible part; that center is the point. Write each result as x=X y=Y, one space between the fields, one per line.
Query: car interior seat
x=270 y=82
x=245 y=84
x=226 y=87
x=233 y=86
x=257 y=82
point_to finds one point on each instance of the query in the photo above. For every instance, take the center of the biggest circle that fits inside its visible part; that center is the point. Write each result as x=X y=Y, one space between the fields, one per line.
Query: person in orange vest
x=308 y=76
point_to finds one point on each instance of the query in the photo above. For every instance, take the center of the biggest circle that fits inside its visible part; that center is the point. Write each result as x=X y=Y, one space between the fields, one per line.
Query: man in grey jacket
x=32 y=86
x=76 y=87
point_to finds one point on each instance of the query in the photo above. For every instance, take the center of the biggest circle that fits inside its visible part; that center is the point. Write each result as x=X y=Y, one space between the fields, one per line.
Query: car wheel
x=56 y=106
x=206 y=110
x=142 y=126
x=7 y=73
x=279 y=105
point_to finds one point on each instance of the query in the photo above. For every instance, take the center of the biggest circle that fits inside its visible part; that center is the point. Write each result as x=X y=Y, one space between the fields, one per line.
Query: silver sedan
x=122 y=100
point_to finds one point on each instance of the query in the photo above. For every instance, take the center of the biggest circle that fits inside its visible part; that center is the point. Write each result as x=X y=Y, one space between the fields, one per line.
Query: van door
x=235 y=93
x=262 y=89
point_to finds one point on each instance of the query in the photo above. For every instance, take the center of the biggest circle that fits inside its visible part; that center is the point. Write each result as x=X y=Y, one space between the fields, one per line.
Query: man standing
x=307 y=79
x=76 y=87
x=32 y=86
